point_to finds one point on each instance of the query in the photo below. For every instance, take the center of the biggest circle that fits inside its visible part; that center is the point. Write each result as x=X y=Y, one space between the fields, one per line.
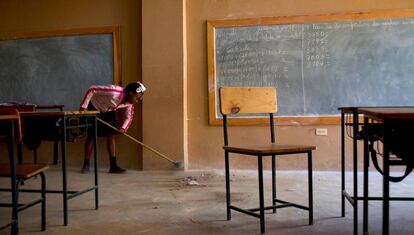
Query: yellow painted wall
x=163 y=73
x=204 y=142
x=44 y=15
x=174 y=67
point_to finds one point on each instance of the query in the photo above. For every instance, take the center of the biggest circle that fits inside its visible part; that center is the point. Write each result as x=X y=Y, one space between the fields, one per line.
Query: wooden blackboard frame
x=286 y=120
x=115 y=31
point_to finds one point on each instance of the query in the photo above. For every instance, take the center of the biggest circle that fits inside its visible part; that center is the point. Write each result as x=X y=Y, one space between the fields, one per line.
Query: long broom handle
x=137 y=141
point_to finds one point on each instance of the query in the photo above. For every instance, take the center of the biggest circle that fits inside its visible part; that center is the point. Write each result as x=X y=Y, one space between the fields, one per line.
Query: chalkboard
x=317 y=67
x=56 y=69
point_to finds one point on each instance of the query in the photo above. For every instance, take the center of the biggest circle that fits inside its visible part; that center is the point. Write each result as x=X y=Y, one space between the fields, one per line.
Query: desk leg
x=11 y=145
x=95 y=159
x=310 y=188
x=226 y=162
x=342 y=164
x=355 y=163
x=261 y=193
x=365 y=188
x=64 y=183
x=274 y=182
x=386 y=184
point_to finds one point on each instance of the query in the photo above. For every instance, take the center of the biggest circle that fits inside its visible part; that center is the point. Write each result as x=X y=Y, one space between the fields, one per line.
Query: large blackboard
x=318 y=67
x=55 y=69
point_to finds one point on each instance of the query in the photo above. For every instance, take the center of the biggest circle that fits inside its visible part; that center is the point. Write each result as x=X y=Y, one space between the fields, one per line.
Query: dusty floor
x=171 y=203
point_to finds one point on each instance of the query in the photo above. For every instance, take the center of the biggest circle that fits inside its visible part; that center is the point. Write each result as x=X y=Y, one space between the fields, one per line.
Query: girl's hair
x=135 y=87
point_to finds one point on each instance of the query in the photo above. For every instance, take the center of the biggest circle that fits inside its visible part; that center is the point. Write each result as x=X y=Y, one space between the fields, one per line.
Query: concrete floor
x=166 y=203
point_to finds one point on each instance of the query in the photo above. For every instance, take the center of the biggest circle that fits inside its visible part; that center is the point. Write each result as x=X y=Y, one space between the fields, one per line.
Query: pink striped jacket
x=109 y=98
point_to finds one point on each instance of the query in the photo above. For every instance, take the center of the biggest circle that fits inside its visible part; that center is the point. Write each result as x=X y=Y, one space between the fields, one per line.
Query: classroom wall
x=174 y=67
x=181 y=81
x=45 y=15
x=164 y=73
x=205 y=141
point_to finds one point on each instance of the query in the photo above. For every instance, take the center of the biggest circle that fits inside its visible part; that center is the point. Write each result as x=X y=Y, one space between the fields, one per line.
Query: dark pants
x=109 y=117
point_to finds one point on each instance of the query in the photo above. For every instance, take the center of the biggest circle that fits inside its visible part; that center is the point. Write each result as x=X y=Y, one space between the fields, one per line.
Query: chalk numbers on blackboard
x=317 y=52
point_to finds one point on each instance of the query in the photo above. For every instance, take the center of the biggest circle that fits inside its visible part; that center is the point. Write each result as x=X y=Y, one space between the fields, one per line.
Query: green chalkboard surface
x=55 y=69
x=317 y=67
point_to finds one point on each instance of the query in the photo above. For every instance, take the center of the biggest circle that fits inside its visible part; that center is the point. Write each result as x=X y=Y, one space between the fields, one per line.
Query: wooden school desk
x=385 y=118
x=31 y=108
x=58 y=125
x=390 y=120
x=58 y=107
x=55 y=143
x=8 y=128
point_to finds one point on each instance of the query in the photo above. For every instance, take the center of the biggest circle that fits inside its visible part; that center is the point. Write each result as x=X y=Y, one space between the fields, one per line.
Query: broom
x=177 y=164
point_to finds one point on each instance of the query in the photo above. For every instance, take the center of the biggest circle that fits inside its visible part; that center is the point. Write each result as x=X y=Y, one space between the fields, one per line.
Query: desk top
x=49 y=106
x=348 y=109
x=382 y=113
x=32 y=107
x=355 y=108
x=58 y=113
x=9 y=117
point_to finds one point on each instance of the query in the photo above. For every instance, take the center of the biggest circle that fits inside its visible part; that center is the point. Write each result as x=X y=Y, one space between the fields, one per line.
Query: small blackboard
x=319 y=66
x=57 y=67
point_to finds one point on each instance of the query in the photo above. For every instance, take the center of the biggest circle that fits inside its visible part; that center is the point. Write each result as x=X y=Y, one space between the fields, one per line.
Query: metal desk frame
x=10 y=120
x=63 y=118
x=368 y=112
x=344 y=193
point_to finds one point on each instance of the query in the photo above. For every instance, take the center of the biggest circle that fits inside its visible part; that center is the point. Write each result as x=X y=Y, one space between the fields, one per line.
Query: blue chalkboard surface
x=56 y=69
x=318 y=67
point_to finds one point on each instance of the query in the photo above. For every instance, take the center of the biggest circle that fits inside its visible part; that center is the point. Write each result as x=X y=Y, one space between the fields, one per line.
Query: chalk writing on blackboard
x=318 y=67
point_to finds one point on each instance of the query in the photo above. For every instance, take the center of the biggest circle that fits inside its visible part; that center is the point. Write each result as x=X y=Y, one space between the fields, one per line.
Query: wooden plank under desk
x=382 y=113
x=9 y=117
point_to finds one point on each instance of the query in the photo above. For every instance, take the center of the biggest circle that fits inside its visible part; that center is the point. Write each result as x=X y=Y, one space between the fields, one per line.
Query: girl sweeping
x=116 y=106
